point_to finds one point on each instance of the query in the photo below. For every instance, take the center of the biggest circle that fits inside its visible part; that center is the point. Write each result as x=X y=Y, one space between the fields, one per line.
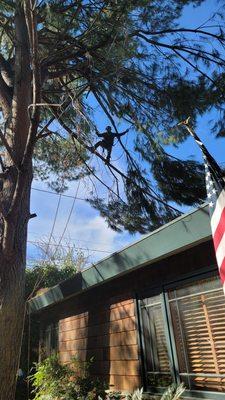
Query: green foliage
x=50 y=273
x=50 y=379
x=115 y=395
x=136 y=395
x=54 y=381
x=181 y=181
x=58 y=161
x=170 y=173
x=45 y=275
x=173 y=392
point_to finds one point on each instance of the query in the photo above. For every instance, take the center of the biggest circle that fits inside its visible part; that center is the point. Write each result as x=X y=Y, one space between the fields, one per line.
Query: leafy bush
x=54 y=381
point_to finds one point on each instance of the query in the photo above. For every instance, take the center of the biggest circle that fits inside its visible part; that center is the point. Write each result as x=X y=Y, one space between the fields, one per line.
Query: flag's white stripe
x=220 y=253
x=220 y=204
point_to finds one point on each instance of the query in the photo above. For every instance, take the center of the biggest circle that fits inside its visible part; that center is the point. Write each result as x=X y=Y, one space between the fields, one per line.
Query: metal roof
x=185 y=231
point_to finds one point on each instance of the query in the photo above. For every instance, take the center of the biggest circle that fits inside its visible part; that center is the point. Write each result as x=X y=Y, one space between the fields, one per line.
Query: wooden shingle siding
x=110 y=336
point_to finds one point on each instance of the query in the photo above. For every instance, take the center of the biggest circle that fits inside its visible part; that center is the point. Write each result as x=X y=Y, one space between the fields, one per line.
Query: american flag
x=215 y=188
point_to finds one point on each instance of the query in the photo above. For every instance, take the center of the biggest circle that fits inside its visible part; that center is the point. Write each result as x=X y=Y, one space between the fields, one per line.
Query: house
x=150 y=314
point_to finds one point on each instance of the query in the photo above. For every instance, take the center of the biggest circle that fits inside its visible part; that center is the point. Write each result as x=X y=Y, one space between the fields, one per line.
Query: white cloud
x=86 y=228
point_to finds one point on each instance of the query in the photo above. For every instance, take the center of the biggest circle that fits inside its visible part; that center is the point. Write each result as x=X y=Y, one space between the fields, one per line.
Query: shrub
x=54 y=381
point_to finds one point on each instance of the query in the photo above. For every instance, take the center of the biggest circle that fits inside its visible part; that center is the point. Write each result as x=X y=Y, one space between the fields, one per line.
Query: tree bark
x=11 y=324
x=19 y=139
x=12 y=277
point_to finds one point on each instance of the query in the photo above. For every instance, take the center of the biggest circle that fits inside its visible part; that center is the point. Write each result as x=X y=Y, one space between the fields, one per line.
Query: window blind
x=198 y=318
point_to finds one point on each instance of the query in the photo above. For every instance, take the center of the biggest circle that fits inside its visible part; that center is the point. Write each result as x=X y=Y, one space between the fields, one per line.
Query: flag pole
x=215 y=189
x=206 y=154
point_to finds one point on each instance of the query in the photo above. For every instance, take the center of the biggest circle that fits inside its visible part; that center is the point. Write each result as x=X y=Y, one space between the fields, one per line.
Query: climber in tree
x=107 y=140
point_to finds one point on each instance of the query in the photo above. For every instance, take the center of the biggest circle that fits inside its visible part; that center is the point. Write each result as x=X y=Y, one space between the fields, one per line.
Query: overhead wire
x=71 y=239
x=58 y=194
x=39 y=278
x=54 y=223
x=36 y=243
x=68 y=219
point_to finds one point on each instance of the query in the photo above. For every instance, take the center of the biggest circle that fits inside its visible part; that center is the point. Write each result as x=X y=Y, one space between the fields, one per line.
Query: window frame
x=169 y=332
x=152 y=389
x=49 y=339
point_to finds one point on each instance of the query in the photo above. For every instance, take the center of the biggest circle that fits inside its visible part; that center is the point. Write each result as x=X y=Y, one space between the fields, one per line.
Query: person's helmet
x=108 y=128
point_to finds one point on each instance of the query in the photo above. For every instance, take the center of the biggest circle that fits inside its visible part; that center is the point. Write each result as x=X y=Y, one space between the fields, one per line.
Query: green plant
x=54 y=381
x=136 y=395
x=86 y=386
x=115 y=395
x=173 y=392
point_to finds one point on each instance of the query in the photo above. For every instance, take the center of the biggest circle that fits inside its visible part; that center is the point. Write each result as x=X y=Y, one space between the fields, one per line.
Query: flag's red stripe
x=220 y=230
x=222 y=271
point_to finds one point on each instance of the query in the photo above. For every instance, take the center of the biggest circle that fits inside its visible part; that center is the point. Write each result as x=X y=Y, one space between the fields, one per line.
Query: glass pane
x=198 y=317
x=195 y=287
x=159 y=380
x=156 y=354
x=50 y=339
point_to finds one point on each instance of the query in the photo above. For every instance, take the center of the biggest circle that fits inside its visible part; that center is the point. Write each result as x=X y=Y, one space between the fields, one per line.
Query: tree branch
x=180 y=30
x=8 y=148
x=97 y=177
x=5 y=98
x=31 y=20
x=6 y=71
x=189 y=50
x=122 y=174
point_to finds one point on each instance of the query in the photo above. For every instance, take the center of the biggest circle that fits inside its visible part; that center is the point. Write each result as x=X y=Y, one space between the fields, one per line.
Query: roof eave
x=176 y=236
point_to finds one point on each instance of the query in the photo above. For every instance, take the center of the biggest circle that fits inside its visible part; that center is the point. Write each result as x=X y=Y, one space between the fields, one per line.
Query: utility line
x=58 y=194
x=75 y=239
x=68 y=247
x=40 y=278
x=68 y=219
x=53 y=226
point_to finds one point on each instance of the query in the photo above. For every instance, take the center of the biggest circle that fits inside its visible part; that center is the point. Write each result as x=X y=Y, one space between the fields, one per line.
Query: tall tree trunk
x=11 y=320
x=12 y=304
x=21 y=117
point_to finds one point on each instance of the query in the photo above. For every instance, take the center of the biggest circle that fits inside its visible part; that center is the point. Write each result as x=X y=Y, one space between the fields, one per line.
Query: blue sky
x=86 y=229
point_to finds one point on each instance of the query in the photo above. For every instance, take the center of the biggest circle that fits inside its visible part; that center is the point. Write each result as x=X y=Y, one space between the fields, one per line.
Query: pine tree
x=139 y=65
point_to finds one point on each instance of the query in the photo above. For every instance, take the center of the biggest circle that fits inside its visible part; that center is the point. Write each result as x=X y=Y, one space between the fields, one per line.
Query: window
x=49 y=342
x=198 y=319
x=156 y=355
x=184 y=332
